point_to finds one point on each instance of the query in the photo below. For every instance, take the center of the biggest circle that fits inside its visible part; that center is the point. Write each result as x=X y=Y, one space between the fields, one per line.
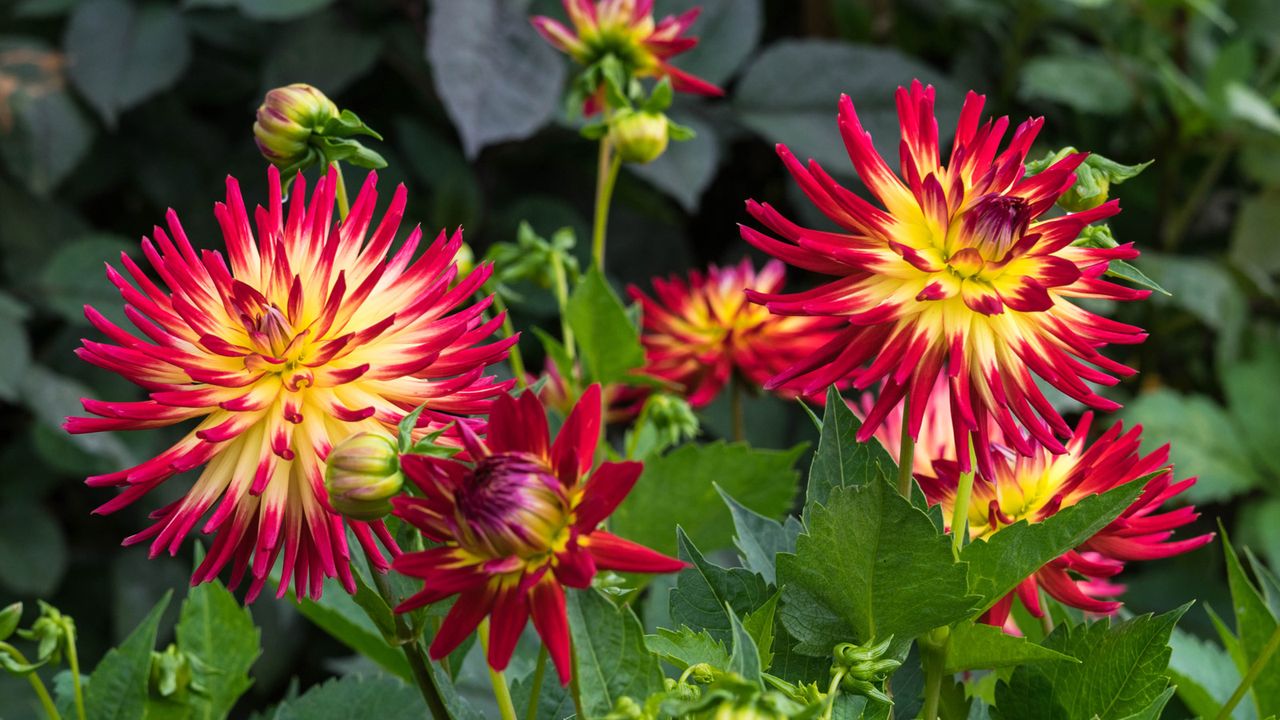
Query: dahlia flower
x=958 y=274
x=700 y=330
x=1035 y=487
x=627 y=30
x=517 y=525
x=278 y=350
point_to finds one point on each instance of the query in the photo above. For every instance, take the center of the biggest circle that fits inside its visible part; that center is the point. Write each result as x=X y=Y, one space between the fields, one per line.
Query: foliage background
x=112 y=111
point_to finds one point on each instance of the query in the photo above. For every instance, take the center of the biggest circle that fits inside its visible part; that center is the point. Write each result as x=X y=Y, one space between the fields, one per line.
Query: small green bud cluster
x=863 y=668
x=637 y=129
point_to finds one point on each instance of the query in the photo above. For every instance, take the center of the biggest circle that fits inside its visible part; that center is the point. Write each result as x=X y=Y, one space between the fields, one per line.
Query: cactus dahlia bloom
x=1035 y=487
x=700 y=330
x=627 y=30
x=954 y=273
x=517 y=525
x=278 y=350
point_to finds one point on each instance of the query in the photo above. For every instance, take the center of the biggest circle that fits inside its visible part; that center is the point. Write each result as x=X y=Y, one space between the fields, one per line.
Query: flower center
x=995 y=224
x=512 y=506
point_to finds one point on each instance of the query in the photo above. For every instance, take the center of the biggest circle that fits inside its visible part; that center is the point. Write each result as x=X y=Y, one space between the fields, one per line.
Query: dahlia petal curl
x=517 y=525
x=295 y=338
x=952 y=272
x=1036 y=487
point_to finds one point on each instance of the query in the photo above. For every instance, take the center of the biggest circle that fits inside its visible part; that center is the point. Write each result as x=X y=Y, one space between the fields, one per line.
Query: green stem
x=574 y=688
x=422 y=675
x=42 y=692
x=1189 y=209
x=344 y=208
x=73 y=660
x=737 y=415
x=497 y=678
x=562 y=300
x=833 y=691
x=960 y=513
x=933 y=657
x=1046 y=620
x=508 y=330
x=538 y=671
x=906 y=451
x=1255 y=670
x=606 y=177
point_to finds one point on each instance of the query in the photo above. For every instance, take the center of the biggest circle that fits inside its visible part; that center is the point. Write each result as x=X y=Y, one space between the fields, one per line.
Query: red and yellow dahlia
x=954 y=273
x=278 y=350
x=516 y=525
x=627 y=30
x=699 y=331
x=1035 y=487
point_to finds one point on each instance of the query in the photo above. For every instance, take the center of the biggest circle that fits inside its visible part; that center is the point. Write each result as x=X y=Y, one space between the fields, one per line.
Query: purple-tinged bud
x=286 y=120
x=513 y=506
x=362 y=474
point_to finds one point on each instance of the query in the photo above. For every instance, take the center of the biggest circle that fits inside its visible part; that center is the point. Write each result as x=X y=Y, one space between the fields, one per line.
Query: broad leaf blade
x=842 y=461
x=612 y=660
x=118 y=686
x=703 y=591
x=218 y=631
x=609 y=342
x=759 y=539
x=976 y=646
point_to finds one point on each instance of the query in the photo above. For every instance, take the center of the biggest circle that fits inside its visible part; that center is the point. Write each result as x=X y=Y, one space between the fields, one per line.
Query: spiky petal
x=518 y=525
x=955 y=273
x=296 y=338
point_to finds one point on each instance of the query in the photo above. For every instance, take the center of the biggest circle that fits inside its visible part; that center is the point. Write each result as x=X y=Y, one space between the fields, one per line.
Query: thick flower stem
x=960 y=513
x=538 y=671
x=562 y=301
x=497 y=678
x=422 y=675
x=574 y=690
x=906 y=451
x=46 y=702
x=606 y=177
x=1255 y=670
x=933 y=657
x=737 y=415
x=833 y=691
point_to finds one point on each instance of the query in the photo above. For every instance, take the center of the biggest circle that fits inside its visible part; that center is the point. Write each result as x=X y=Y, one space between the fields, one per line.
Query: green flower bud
x=362 y=474
x=1073 y=201
x=170 y=673
x=51 y=632
x=286 y=121
x=9 y=619
x=639 y=136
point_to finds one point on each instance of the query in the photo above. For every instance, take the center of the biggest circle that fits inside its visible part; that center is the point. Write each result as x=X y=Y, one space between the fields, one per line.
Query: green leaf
x=1057 y=78
x=10 y=616
x=1255 y=626
x=685 y=647
x=1006 y=558
x=1206 y=290
x=978 y=646
x=120 y=54
x=1120 y=675
x=679 y=488
x=1253 y=395
x=1252 y=108
x=842 y=461
x=745 y=658
x=17 y=356
x=704 y=589
x=759 y=539
x=118 y=686
x=609 y=343
x=760 y=624
x=338 y=614
x=789 y=94
x=498 y=80
x=277 y=9
x=355 y=696
x=49 y=137
x=1204 y=441
x=74 y=277
x=1203 y=672
x=685 y=169
x=219 y=633
x=1253 y=247
x=33 y=551
x=324 y=50
x=1155 y=709
x=1126 y=271
x=869 y=566
x=612 y=661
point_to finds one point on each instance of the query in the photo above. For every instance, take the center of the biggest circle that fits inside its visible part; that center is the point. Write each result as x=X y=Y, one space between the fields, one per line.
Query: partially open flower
x=626 y=29
x=287 y=119
x=362 y=474
x=517 y=525
x=700 y=330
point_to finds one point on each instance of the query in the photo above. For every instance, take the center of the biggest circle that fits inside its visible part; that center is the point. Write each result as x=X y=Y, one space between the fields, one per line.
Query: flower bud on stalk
x=362 y=474
x=639 y=136
x=287 y=119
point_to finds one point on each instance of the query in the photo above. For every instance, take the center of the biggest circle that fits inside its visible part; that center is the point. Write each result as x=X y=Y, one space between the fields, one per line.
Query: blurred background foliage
x=112 y=111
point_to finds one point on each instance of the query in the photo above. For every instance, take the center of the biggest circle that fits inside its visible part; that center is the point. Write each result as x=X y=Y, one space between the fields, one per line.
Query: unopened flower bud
x=640 y=136
x=362 y=474
x=170 y=673
x=1073 y=201
x=286 y=120
x=465 y=260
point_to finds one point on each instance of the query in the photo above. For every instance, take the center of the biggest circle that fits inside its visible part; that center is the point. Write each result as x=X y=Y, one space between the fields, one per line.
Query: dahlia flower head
x=954 y=273
x=278 y=350
x=627 y=30
x=699 y=330
x=516 y=525
x=1036 y=487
